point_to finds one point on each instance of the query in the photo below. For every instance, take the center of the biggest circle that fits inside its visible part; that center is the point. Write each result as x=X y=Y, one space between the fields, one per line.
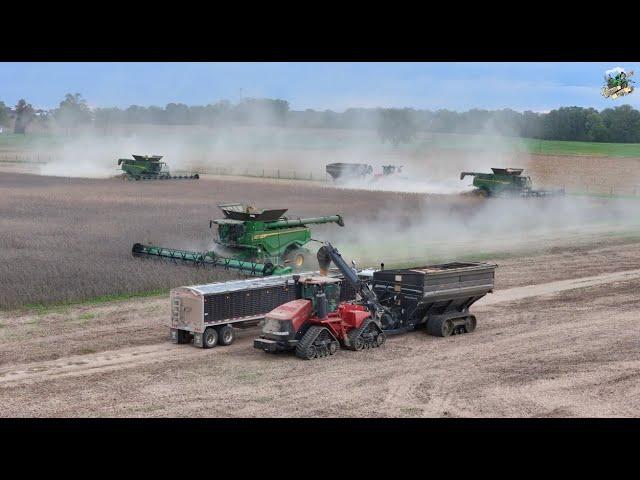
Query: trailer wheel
x=226 y=335
x=470 y=324
x=440 y=327
x=209 y=338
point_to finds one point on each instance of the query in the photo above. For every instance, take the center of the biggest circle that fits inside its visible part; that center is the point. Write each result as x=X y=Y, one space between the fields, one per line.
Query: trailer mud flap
x=197 y=340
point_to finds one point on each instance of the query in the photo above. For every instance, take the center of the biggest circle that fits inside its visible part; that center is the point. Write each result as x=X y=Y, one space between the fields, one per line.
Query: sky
x=538 y=87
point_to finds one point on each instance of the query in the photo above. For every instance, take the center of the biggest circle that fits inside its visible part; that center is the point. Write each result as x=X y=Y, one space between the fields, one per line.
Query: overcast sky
x=455 y=86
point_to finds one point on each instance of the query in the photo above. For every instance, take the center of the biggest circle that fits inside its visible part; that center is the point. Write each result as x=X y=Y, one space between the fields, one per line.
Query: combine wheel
x=210 y=337
x=295 y=257
x=226 y=335
x=196 y=176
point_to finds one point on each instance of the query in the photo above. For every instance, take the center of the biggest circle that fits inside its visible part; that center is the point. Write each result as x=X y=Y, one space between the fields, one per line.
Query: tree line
x=618 y=125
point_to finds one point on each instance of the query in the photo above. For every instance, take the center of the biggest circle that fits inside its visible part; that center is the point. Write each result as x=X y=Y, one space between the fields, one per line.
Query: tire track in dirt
x=106 y=361
x=519 y=293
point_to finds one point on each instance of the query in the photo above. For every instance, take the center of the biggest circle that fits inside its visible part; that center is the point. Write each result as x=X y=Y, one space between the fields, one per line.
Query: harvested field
x=544 y=354
x=69 y=239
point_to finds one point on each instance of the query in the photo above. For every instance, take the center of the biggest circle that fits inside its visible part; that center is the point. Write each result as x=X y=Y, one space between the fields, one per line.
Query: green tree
x=24 y=116
x=5 y=115
x=396 y=126
x=73 y=112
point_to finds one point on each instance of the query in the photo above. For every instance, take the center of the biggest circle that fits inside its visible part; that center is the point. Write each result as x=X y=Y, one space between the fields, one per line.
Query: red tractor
x=316 y=324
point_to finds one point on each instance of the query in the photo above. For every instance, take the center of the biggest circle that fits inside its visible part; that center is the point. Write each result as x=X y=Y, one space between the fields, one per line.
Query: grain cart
x=208 y=314
x=506 y=182
x=437 y=297
x=144 y=167
x=251 y=236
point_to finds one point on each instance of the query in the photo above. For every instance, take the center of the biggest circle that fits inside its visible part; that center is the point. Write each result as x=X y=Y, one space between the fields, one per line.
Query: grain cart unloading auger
x=394 y=301
x=256 y=242
x=145 y=167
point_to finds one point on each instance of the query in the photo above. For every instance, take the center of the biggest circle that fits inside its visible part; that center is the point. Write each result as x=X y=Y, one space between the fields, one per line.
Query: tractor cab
x=316 y=296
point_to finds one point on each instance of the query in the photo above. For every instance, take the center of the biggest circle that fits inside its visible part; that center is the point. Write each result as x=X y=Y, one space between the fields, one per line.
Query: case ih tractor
x=316 y=323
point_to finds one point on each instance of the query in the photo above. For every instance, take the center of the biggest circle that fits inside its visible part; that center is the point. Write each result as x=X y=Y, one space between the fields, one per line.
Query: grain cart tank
x=506 y=182
x=145 y=167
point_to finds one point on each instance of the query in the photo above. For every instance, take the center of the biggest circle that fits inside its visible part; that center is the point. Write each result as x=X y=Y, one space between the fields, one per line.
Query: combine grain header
x=144 y=167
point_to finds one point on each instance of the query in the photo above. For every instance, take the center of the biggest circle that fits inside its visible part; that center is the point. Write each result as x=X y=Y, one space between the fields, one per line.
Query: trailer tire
x=209 y=338
x=226 y=335
x=441 y=327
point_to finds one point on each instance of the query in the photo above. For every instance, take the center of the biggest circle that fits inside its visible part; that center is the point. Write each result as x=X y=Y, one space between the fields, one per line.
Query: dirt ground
x=557 y=338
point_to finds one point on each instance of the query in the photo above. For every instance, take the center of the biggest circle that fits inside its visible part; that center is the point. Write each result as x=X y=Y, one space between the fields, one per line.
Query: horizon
x=459 y=87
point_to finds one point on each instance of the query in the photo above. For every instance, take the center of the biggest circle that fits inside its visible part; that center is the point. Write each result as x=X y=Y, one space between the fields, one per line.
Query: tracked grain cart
x=315 y=324
x=144 y=167
x=506 y=182
x=255 y=242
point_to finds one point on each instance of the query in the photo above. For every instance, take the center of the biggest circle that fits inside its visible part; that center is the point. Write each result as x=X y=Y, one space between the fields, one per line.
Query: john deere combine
x=506 y=182
x=144 y=167
x=255 y=242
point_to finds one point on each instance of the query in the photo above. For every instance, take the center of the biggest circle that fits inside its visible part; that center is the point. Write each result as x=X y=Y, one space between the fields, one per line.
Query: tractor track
x=131 y=357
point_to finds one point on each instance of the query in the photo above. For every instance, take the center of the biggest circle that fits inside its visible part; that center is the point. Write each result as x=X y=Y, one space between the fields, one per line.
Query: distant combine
x=506 y=182
x=145 y=167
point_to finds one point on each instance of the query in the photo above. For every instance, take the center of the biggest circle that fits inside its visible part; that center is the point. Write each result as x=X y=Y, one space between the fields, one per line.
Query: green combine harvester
x=145 y=167
x=506 y=182
x=254 y=242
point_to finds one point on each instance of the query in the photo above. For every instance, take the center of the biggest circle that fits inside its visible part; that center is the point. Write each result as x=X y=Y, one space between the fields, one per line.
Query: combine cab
x=144 y=167
x=617 y=85
x=506 y=182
